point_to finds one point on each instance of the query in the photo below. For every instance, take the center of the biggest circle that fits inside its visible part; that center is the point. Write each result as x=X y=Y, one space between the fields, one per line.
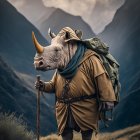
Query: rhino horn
x=39 y=48
x=52 y=35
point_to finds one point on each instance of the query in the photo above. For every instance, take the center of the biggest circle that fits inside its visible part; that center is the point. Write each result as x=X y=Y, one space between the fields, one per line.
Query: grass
x=13 y=128
x=130 y=133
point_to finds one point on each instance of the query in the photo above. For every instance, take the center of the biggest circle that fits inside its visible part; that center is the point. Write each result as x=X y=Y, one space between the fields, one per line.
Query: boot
x=67 y=134
x=87 y=135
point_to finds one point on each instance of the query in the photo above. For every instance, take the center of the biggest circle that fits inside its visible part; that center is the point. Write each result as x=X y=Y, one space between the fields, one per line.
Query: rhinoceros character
x=79 y=83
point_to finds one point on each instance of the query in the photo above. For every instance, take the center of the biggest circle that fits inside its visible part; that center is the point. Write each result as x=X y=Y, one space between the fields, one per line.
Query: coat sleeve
x=102 y=81
x=50 y=85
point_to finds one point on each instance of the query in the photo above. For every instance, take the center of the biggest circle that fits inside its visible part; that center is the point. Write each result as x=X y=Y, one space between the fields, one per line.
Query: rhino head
x=58 y=54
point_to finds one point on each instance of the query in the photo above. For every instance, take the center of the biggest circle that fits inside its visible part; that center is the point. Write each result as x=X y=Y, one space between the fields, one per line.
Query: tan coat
x=84 y=112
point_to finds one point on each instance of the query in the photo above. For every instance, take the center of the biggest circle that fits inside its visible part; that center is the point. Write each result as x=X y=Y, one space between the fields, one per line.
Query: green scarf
x=71 y=68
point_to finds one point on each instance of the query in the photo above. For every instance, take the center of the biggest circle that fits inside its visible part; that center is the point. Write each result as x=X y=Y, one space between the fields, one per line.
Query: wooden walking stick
x=38 y=111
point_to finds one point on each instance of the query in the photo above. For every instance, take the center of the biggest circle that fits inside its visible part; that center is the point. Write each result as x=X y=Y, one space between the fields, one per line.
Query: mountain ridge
x=55 y=23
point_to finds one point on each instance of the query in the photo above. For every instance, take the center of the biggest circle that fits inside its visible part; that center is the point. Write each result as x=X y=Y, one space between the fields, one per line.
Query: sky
x=97 y=13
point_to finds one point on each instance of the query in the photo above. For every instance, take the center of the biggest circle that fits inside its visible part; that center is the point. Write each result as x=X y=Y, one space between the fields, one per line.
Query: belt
x=76 y=99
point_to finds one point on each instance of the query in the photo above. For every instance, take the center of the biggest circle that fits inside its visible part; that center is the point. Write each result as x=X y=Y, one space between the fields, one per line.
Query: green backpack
x=109 y=62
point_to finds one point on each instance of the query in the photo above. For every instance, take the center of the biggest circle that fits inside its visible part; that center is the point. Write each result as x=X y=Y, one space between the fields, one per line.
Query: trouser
x=86 y=135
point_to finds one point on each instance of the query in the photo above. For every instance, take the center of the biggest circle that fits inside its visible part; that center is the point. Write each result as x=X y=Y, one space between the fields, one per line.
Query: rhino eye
x=57 y=49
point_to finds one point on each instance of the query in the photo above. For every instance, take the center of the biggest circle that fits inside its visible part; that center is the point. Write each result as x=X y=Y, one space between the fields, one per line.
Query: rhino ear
x=79 y=33
x=67 y=35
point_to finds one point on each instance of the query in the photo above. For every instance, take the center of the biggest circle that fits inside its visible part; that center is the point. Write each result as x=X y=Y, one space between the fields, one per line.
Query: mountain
x=96 y=13
x=16 y=98
x=122 y=34
x=102 y=14
x=59 y=19
x=123 y=37
x=16 y=46
x=127 y=112
x=17 y=79
x=44 y=17
x=33 y=10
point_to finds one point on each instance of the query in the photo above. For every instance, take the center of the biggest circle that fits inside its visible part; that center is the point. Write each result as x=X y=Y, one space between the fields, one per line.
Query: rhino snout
x=39 y=63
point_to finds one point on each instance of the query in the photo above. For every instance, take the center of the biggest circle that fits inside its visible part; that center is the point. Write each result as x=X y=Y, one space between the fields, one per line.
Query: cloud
x=75 y=7
x=97 y=13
